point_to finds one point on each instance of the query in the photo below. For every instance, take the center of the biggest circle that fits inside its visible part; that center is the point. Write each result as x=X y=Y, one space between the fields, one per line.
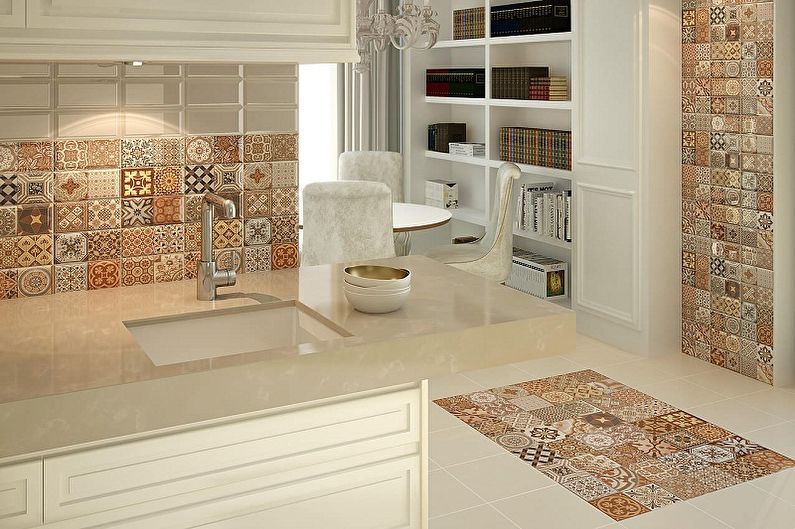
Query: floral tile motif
x=256 y=204
x=138 y=241
x=285 y=174
x=229 y=259
x=168 y=180
x=284 y=201
x=35 y=281
x=227 y=149
x=167 y=209
x=257 y=258
x=138 y=152
x=8 y=221
x=169 y=151
x=71 y=186
x=137 y=212
x=170 y=268
x=229 y=177
x=104 y=274
x=193 y=208
x=228 y=233
x=257 y=231
x=257 y=176
x=71 y=154
x=104 y=184
x=104 y=245
x=199 y=150
x=71 y=216
x=34 y=250
x=285 y=147
x=8 y=189
x=8 y=157
x=34 y=156
x=624 y=467
x=257 y=148
x=70 y=247
x=71 y=277
x=191 y=262
x=136 y=182
x=104 y=214
x=137 y=271
x=169 y=239
x=284 y=256
x=34 y=219
x=8 y=284
x=34 y=188
x=8 y=252
x=193 y=236
x=103 y=153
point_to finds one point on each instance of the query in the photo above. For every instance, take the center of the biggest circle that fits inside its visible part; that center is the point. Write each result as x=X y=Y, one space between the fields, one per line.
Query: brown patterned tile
x=167 y=209
x=137 y=242
x=8 y=221
x=137 y=271
x=71 y=216
x=34 y=156
x=619 y=506
x=137 y=212
x=169 y=151
x=192 y=236
x=200 y=179
x=104 y=245
x=284 y=256
x=168 y=180
x=285 y=147
x=257 y=148
x=70 y=248
x=34 y=219
x=229 y=178
x=193 y=204
x=227 y=149
x=8 y=157
x=34 y=250
x=8 y=252
x=71 y=154
x=104 y=214
x=256 y=204
x=170 y=268
x=71 y=277
x=257 y=176
x=137 y=182
x=71 y=186
x=227 y=234
x=35 y=281
x=8 y=284
x=34 y=188
x=103 y=154
x=104 y=274
x=169 y=239
x=284 y=201
x=8 y=189
x=257 y=231
x=257 y=258
x=285 y=174
x=199 y=150
x=229 y=258
x=138 y=152
x=104 y=184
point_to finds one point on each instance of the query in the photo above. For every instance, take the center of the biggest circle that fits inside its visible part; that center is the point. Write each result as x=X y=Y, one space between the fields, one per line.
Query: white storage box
x=539 y=276
x=441 y=193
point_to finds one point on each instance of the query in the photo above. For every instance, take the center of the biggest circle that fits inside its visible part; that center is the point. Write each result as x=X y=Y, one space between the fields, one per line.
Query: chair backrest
x=498 y=240
x=346 y=221
x=374 y=166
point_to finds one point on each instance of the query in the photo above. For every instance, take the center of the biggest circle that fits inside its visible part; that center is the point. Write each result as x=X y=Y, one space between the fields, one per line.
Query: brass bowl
x=369 y=276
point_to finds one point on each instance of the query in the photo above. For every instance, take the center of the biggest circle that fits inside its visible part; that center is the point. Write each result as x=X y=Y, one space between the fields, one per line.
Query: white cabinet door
x=12 y=13
x=21 y=495
x=203 y=30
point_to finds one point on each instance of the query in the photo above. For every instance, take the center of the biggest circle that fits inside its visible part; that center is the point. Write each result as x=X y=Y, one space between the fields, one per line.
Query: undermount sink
x=210 y=334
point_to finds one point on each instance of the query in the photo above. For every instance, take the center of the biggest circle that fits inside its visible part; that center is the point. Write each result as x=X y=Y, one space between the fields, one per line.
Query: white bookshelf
x=484 y=117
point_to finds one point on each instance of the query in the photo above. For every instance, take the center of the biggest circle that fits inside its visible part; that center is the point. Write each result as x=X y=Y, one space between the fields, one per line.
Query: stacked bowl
x=376 y=289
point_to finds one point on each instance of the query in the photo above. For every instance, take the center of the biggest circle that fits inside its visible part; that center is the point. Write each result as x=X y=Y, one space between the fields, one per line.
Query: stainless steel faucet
x=208 y=277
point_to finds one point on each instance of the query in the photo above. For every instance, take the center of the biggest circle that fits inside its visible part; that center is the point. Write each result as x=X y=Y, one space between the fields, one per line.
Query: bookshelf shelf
x=538 y=170
x=542 y=238
x=531 y=103
x=467 y=101
x=469 y=160
x=462 y=43
x=529 y=39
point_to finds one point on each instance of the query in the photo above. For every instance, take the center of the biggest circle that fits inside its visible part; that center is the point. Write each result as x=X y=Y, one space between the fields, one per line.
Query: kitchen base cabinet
x=21 y=495
x=350 y=463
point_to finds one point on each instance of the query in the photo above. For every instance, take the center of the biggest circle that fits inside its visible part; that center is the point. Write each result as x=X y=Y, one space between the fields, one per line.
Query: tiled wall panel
x=727 y=184
x=101 y=191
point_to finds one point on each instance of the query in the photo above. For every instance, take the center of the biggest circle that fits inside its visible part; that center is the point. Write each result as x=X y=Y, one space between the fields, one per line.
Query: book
x=538 y=275
x=455 y=82
x=469 y=23
x=440 y=135
x=549 y=89
x=467 y=149
x=529 y=18
x=542 y=147
x=515 y=82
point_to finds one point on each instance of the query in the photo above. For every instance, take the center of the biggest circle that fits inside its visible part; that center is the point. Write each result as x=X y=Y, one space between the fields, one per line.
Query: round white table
x=415 y=217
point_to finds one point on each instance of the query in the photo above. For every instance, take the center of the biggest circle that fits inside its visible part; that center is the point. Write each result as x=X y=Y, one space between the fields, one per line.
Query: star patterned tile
x=576 y=429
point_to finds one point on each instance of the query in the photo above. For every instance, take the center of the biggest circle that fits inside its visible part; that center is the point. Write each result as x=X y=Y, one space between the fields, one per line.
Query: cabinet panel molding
x=12 y=13
x=21 y=495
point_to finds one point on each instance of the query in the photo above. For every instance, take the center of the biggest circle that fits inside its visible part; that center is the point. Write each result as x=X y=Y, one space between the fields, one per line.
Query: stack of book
x=530 y=18
x=440 y=135
x=547 y=148
x=455 y=82
x=515 y=82
x=537 y=275
x=468 y=149
x=543 y=211
x=549 y=88
x=469 y=23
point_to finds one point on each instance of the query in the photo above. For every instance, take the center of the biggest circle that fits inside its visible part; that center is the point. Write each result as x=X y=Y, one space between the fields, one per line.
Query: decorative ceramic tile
x=257 y=148
x=8 y=252
x=137 y=271
x=285 y=174
x=71 y=186
x=285 y=147
x=167 y=209
x=137 y=182
x=103 y=153
x=284 y=201
x=8 y=189
x=229 y=177
x=623 y=467
x=229 y=259
x=104 y=274
x=8 y=284
x=228 y=233
x=8 y=221
x=137 y=212
x=199 y=150
x=169 y=151
x=257 y=231
x=71 y=154
x=200 y=179
x=104 y=184
x=227 y=149
x=137 y=242
x=169 y=239
x=70 y=247
x=257 y=176
x=168 y=180
x=193 y=236
x=191 y=260
x=71 y=277
x=104 y=245
x=257 y=258
x=138 y=152
x=35 y=281
x=71 y=216
x=193 y=205
x=34 y=219
x=170 y=268
x=34 y=188
x=256 y=204
x=104 y=214
x=34 y=156
x=34 y=250
x=8 y=157
x=284 y=256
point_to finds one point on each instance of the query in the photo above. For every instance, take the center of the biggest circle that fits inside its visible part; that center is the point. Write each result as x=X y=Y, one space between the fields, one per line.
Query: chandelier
x=412 y=27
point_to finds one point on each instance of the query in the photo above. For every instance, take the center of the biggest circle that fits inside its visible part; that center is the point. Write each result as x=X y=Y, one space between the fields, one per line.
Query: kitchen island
x=245 y=439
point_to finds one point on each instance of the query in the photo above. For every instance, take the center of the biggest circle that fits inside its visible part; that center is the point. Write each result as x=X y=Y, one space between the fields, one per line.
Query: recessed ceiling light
x=135 y=63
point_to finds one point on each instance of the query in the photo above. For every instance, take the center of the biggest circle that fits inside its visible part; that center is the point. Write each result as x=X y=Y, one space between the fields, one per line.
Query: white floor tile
x=746 y=507
x=681 y=393
x=734 y=416
x=496 y=377
x=440 y=419
x=680 y=364
x=450 y=385
x=498 y=477
x=636 y=374
x=548 y=367
x=780 y=438
x=552 y=508
x=483 y=517
x=460 y=445
x=774 y=401
x=677 y=516
x=596 y=355
x=781 y=485
x=447 y=495
x=727 y=383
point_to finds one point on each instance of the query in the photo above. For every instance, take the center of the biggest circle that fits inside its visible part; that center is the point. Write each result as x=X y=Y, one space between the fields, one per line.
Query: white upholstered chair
x=490 y=256
x=346 y=221
x=374 y=166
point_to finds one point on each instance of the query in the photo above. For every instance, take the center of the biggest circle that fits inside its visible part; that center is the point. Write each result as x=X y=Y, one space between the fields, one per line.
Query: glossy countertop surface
x=70 y=353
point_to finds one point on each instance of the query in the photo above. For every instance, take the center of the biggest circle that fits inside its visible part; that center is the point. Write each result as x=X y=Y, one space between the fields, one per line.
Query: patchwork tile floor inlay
x=624 y=452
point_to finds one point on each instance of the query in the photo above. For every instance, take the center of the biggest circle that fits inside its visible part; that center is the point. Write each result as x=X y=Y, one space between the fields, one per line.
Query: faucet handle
x=225 y=278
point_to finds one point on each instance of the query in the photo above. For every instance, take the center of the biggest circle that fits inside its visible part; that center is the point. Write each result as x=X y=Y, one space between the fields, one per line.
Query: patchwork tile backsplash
x=727 y=184
x=82 y=214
